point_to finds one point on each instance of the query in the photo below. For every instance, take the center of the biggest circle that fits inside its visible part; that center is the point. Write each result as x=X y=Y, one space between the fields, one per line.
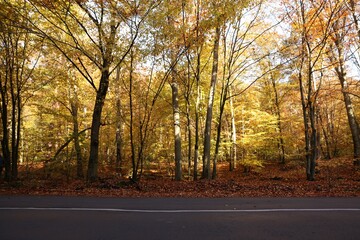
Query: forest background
x=132 y=89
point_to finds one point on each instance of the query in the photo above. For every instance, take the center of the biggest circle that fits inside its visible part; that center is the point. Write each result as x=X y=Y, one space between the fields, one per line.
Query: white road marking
x=185 y=210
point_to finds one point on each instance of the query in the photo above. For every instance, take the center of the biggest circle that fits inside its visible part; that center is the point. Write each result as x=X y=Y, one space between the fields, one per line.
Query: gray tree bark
x=209 y=113
x=281 y=146
x=177 y=130
x=74 y=102
x=353 y=123
x=233 y=135
x=119 y=141
x=341 y=73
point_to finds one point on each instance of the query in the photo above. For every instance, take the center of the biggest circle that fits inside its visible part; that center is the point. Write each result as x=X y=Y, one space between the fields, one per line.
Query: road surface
x=30 y=217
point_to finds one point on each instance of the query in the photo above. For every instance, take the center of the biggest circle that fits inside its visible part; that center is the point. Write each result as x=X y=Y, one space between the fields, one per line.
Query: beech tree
x=313 y=31
x=345 y=23
x=223 y=11
x=66 y=25
x=239 y=39
x=20 y=53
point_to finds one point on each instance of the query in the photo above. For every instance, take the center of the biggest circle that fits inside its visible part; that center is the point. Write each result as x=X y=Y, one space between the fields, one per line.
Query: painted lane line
x=186 y=210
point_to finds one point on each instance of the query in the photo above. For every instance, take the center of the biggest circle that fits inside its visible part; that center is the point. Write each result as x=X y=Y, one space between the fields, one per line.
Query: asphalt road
x=27 y=217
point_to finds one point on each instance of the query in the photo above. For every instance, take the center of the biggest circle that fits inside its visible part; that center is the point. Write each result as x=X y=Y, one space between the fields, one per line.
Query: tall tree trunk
x=107 y=58
x=15 y=133
x=5 y=132
x=197 y=105
x=311 y=109
x=306 y=125
x=313 y=142
x=118 y=123
x=11 y=102
x=309 y=103
x=219 y=126
x=92 y=172
x=132 y=141
x=207 y=132
x=327 y=152
x=5 y=80
x=15 y=121
x=74 y=112
x=353 y=123
x=12 y=81
x=217 y=147
x=233 y=134
x=177 y=132
x=189 y=136
x=74 y=105
x=281 y=147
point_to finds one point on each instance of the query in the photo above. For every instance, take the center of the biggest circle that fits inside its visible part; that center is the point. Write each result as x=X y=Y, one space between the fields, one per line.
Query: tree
x=209 y=112
x=119 y=123
x=194 y=32
x=337 y=55
x=175 y=104
x=273 y=94
x=236 y=43
x=313 y=31
x=176 y=38
x=220 y=16
x=88 y=35
x=20 y=52
x=241 y=54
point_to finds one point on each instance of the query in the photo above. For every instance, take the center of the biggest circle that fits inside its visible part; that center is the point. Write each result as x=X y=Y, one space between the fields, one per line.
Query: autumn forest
x=135 y=88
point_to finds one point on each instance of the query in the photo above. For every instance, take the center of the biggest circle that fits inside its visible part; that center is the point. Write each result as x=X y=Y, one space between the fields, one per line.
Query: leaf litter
x=334 y=178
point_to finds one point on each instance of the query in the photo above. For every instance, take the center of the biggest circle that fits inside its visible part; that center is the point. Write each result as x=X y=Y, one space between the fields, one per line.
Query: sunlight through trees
x=140 y=87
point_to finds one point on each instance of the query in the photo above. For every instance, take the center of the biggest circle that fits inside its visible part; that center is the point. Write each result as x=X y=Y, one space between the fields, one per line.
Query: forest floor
x=334 y=178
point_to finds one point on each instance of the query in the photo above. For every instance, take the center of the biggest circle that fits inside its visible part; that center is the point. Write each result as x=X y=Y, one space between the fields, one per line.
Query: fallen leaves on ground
x=334 y=178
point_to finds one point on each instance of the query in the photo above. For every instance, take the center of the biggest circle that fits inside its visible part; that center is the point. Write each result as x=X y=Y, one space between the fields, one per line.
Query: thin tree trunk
x=326 y=153
x=306 y=125
x=217 y=147
x=281 y=146
x=207 y=132
x=197 y=105
x=308 y=104
x=79 y=159
x=189 y=137
x=196 y=150
x=177 y=132
x=313 y=142
x=118 y=123
x=219 y=126
x=132 y=142
x=311 y=108
x=15 y=127
x=74 y=104
x=233 y=134
x=79 y=164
